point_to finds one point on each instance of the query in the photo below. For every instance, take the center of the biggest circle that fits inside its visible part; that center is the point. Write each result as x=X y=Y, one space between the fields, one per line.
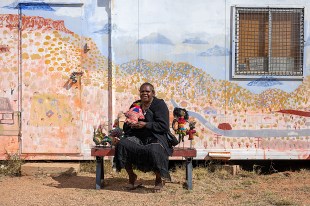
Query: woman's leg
x=132 y=176
x=158 y=178
x=159 y=184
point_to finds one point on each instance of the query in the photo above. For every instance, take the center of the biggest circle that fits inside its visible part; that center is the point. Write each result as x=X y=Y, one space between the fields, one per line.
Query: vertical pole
x=110 y=70
x=99 y=171
x=189 y=171
x=186 y=172
x=19 y=87
x=102 y=173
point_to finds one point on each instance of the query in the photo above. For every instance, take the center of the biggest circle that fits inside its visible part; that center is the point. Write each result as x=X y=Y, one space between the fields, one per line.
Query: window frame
x=234 y=54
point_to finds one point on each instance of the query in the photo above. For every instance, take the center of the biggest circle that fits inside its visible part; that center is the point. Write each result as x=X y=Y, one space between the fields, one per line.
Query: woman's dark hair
x=147 y=84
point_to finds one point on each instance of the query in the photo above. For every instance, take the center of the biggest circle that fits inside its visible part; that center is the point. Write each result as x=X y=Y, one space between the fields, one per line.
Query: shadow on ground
x=110 y=184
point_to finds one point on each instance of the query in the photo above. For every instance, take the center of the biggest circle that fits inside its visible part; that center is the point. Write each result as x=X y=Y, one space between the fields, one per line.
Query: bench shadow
x=110 y=184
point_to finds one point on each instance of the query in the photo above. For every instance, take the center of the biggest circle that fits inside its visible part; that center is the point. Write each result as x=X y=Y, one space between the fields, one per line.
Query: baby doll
x=134 y=114
x=178 y=124
x=191 y=132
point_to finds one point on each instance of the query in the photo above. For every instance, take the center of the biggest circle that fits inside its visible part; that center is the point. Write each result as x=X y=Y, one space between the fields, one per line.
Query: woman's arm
x=126 y=128
x=160 y=123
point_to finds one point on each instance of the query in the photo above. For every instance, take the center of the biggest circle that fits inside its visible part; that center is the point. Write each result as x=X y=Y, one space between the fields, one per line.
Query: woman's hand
x=138 y=125
x=115 y=140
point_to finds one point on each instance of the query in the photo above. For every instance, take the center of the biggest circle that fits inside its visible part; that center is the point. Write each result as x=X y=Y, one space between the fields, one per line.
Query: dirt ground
x=209 y=188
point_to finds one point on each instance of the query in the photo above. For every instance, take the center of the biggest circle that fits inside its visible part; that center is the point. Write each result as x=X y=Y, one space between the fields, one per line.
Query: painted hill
x=32 y=22
x=299 y=99
x=184 y=82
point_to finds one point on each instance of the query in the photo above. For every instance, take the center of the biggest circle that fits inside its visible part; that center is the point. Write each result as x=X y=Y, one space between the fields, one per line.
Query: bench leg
x=99 y=172
x=189 y=173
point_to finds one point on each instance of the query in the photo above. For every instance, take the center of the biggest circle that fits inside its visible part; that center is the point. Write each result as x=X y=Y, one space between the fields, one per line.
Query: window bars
x=269 y=41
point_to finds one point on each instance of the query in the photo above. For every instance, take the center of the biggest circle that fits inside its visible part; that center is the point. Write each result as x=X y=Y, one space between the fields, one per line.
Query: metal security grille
x=269 y=41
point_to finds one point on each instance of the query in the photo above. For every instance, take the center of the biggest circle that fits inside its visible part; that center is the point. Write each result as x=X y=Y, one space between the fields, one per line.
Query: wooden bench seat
x=101 y=152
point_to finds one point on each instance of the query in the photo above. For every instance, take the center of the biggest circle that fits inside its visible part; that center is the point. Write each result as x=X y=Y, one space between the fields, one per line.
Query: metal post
x=99 y=172
x=110 y=69
x=19 y=87
x=189 y=173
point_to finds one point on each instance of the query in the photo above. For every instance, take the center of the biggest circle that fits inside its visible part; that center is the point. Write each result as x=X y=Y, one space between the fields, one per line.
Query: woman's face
x=146 y=93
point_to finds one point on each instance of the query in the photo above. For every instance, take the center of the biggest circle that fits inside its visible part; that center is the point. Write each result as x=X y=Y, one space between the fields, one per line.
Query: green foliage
x=12 y=165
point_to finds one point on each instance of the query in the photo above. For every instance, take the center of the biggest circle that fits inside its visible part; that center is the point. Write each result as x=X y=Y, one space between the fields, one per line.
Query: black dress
x=147 y=148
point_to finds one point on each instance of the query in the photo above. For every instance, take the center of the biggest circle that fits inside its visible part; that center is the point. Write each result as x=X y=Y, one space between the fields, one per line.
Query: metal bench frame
x=101 y=152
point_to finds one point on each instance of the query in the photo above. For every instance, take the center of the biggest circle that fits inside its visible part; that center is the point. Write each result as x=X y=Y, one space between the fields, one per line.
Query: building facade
x=241 y=69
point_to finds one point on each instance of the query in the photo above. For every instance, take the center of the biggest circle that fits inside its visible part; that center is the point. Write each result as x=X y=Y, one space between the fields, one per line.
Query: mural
x=54 y=73
x=6 y=112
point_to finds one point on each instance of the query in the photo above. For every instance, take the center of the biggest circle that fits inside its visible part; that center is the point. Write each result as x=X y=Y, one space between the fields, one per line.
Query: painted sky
x=192 y=31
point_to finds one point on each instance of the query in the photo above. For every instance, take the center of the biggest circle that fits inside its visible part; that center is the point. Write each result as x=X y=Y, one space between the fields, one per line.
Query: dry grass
x=211 y=186
x=90 y=166
x=214 y=184
x=250 y=188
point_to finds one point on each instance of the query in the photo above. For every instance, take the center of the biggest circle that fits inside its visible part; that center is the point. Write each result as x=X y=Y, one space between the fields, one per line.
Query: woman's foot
x=159 y=185
x=132 y=182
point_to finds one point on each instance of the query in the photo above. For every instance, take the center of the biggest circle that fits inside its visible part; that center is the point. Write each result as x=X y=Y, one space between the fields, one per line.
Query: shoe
x=132 y=183
x=159 y=185
x=133 y=186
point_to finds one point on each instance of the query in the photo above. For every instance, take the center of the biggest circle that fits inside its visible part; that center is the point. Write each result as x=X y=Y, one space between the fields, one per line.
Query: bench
x=101 y=152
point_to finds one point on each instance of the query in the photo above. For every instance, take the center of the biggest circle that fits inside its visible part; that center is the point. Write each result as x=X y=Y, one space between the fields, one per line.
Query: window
x=268 y=42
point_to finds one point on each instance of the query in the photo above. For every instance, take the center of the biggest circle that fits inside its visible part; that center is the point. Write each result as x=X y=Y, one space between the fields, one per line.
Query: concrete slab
x=50 y=169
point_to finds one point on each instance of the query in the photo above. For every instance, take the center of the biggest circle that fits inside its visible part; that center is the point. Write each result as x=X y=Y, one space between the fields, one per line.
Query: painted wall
x=182 y=47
